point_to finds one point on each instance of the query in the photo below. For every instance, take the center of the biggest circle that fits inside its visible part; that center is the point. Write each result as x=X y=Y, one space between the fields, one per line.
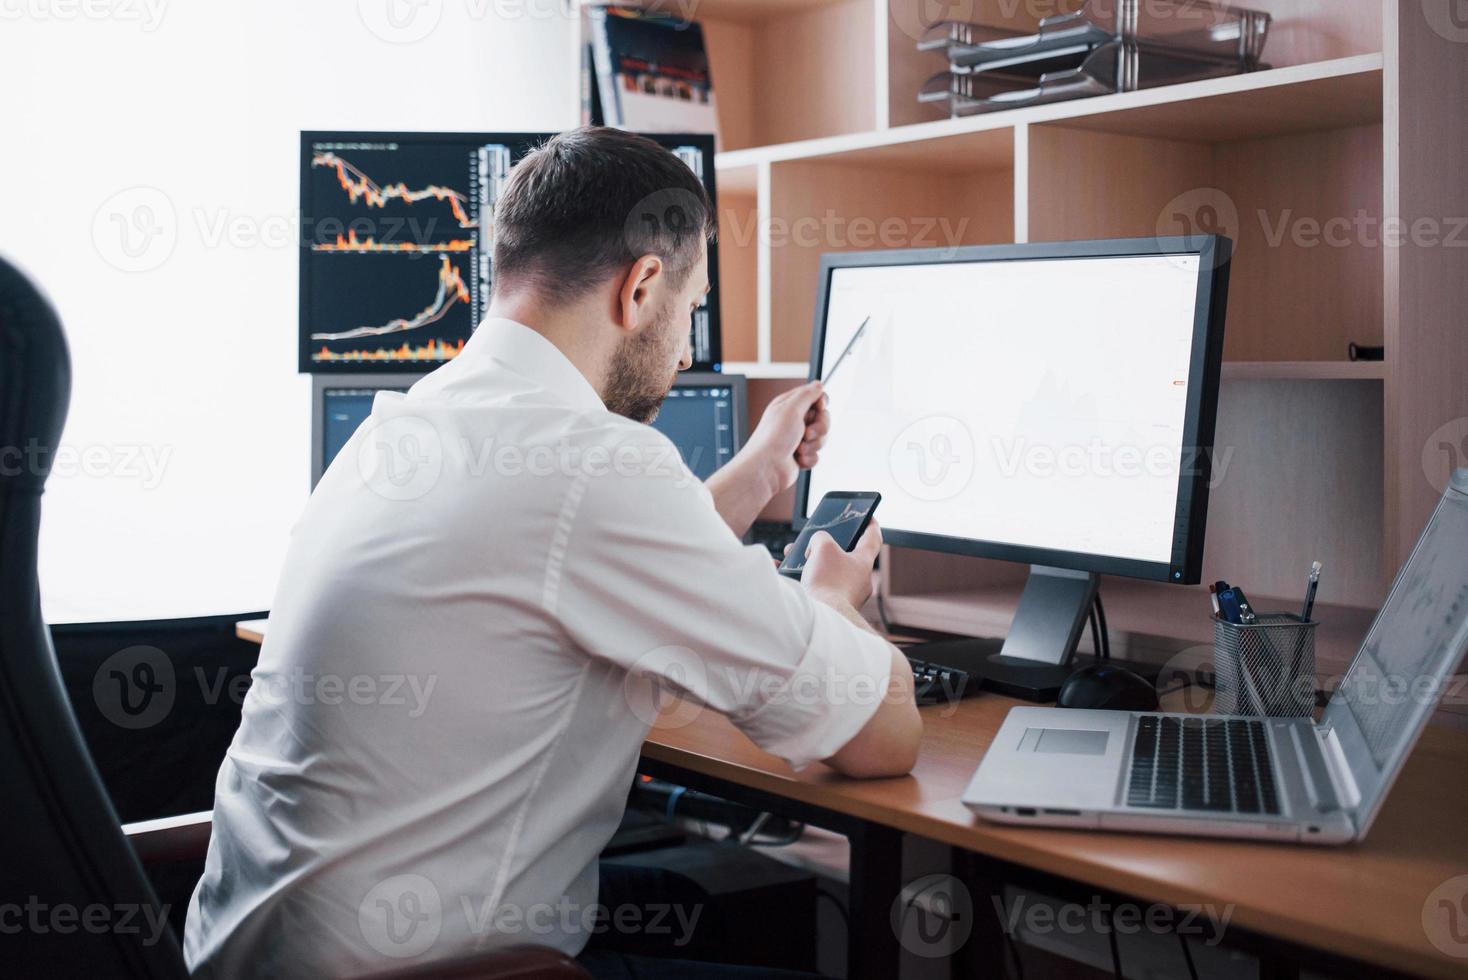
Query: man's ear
x=635 y=301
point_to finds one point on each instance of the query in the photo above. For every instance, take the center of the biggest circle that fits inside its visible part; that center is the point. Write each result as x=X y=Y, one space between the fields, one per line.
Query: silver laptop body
x=1278 y=778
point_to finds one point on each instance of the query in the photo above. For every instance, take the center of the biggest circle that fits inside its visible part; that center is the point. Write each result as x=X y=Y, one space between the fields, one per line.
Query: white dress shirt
x=482 y=601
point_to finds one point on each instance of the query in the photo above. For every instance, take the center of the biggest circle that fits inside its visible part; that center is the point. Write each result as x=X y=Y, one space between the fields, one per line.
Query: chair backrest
x=86 y=906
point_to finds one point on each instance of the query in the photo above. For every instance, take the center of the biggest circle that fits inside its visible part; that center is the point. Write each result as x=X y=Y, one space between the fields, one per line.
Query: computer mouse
x=1107 y=687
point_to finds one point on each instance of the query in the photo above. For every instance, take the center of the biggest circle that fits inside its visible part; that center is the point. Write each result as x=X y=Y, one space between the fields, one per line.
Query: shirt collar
x=528 y=352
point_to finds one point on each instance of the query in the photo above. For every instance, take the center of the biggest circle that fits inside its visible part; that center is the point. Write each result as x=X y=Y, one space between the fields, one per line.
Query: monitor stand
x=1036 y=656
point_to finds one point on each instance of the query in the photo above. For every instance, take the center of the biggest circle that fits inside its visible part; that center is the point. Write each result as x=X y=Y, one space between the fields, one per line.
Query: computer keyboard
x=937 y=684
x=774 y=535
x=1213 y=764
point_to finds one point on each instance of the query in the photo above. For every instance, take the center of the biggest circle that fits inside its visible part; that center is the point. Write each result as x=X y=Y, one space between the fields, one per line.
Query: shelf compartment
x=1303 y=33
x=1309 y=262
x=738 y=248
x=790 y=71
x=1112 y=68
x=1304 y=210
x=1297 y=478
x=1326 y=95
x=878 y=198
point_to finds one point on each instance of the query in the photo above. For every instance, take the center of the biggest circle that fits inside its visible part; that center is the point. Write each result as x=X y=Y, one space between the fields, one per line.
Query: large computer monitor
x=704 y=416
x=397 y=240
x=1050 y=404
x=338 y=406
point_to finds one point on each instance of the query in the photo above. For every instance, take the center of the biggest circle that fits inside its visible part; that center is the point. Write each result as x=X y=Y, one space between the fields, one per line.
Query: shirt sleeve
x=645 y=574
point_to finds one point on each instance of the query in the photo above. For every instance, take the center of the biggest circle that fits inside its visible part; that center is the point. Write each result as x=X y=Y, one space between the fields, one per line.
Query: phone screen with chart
x=844 y=516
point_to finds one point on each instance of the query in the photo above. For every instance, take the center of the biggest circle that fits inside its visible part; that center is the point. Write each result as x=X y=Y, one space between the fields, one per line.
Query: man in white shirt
x=491 y=585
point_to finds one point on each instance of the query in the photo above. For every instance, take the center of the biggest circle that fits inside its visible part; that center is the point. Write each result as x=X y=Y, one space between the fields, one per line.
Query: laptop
x=1291 y=779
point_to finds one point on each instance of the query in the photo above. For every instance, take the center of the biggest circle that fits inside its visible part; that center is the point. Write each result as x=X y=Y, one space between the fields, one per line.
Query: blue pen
x=1228 y=604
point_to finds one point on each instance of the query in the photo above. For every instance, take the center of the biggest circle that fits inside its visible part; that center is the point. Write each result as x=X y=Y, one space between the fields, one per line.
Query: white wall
x=189 y=426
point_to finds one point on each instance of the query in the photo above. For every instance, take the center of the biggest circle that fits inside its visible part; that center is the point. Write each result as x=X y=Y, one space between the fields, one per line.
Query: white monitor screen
x=1037 y=403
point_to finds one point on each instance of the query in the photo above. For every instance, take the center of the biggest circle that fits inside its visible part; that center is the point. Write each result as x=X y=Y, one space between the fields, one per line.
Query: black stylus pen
x=1310 y=591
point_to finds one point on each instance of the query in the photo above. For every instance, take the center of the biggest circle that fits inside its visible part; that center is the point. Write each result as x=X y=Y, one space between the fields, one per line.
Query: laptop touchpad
x=1063 y=741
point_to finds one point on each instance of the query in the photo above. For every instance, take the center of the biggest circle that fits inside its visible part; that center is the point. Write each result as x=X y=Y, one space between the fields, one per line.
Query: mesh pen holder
x=1265 y=668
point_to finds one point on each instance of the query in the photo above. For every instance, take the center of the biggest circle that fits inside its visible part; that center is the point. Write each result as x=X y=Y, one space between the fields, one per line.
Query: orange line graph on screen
x=351 y=243
x=361 y=187
x=451 y=290
x=434 y=350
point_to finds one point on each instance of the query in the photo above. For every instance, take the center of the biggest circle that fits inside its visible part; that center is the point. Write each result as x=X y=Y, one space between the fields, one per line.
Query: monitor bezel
x=322 y=383
x=737 y=383
x=1215 y=252
x=304 y=364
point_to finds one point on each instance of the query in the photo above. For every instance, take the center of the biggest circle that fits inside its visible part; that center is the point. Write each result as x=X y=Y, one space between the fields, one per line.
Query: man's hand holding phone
x=833 y=573
x=842 y=515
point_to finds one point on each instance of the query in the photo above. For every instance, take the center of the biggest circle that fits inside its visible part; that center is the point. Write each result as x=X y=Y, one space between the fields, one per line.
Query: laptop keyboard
x=1212 y=764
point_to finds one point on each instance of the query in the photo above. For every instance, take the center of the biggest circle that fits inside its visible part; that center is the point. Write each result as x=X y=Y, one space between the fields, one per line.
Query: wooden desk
x=251 y=630
x=1361 y=902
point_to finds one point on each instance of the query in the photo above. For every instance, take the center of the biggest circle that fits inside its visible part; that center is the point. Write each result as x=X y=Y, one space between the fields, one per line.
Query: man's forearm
x=842 y=605
x=741 y=489
x=888 y=744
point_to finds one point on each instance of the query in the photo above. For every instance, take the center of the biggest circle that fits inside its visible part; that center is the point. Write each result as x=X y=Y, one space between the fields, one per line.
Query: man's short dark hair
x=586 y=204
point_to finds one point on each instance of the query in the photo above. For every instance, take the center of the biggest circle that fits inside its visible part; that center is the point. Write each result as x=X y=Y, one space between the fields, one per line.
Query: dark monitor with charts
x=704 y=417
x=338 y=406
x=396 y=256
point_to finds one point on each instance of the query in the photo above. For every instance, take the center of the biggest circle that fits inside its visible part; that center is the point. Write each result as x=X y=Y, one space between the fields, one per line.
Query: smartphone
x=844 y=515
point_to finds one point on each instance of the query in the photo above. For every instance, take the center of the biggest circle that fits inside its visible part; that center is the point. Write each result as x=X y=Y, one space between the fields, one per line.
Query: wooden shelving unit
x=1139 y=163
x=1356 y=129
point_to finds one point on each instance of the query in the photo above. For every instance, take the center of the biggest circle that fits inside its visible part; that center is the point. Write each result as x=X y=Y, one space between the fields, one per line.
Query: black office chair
x=63 y=847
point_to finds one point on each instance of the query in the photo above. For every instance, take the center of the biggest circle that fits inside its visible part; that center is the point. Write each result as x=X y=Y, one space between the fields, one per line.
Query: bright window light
x=150 y=186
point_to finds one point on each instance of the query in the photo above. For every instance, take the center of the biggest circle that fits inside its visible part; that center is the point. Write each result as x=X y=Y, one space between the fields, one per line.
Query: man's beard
x=636 y=384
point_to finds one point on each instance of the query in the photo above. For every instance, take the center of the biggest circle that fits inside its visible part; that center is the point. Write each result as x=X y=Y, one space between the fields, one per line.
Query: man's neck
x=569 y=327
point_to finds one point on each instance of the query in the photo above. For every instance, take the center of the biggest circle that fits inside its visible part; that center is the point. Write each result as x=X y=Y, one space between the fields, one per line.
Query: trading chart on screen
x=397 y=244
x=396 y=254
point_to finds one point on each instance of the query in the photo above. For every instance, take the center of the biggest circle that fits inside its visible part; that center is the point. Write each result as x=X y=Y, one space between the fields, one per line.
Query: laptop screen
x=1406 y=663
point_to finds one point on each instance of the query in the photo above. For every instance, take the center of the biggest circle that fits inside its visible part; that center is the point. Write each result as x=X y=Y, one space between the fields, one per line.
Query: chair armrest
x=510 y=963
x=170 y=838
